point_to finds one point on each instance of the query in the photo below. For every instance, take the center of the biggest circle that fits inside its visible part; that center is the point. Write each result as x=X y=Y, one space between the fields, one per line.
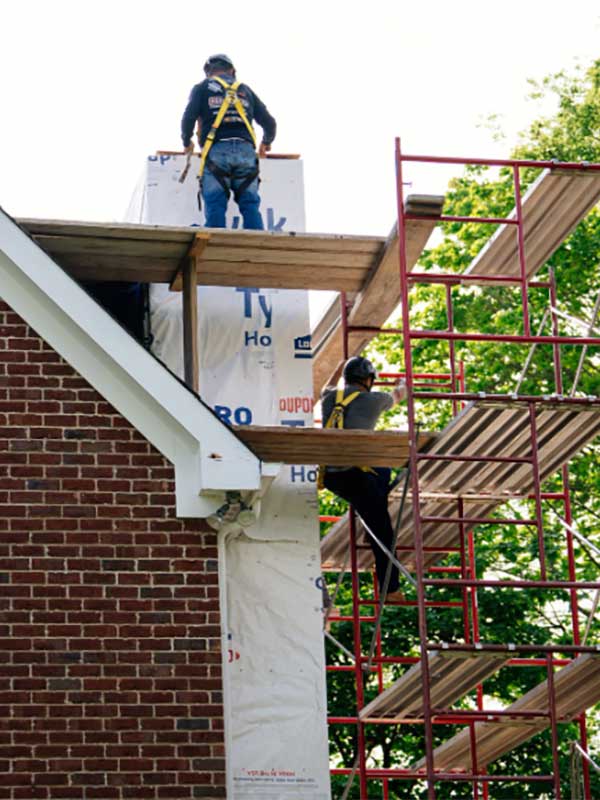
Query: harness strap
x=245 y=184
x=231 y=97
x=336 y=420
x=219 y=174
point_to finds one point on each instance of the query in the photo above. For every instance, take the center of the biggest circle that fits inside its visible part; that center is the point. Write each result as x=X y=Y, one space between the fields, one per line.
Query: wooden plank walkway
x=164 y=254
x=451 y=676
x=321 y=446
x=577 y=687
x=484 y=427
x=551 y=207
x=149 y=253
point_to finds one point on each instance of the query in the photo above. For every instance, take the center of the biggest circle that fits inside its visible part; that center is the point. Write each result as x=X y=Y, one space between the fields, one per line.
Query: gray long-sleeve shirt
x=363 y=412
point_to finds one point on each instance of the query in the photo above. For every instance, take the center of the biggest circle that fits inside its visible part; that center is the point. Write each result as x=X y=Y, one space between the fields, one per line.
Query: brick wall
x=110 y=663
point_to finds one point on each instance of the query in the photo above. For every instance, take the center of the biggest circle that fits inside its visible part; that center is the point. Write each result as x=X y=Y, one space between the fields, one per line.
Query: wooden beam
x=552 y=207
x=99 y=267
x=451 y=676
x=153 y=254
x=111 y=247
x=576 y=688
x=293 y=156
x=481 y=428
x=294 y=264
x=333 y=447
x=193 y=254
x=112 y=230
x=190 y=324
x=279 y=276
x=377 y=299
x=189 y=278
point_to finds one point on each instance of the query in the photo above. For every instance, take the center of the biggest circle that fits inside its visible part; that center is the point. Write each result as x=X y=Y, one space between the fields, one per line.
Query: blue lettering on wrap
x=271 y=224
x=241 y=415
x=303 y=475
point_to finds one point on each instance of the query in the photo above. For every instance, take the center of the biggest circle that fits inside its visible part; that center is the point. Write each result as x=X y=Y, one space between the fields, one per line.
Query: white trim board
x=207 y=456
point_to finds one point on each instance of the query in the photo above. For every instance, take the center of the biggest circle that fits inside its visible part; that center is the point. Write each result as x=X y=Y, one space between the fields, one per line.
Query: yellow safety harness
x=231 y=98
x=336 y=420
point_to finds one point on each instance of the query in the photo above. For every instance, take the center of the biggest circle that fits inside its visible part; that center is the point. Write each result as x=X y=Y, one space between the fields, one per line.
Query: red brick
x=100 y=644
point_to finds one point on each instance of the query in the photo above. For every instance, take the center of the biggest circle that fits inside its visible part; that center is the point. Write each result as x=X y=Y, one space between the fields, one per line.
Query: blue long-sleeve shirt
x=204 y=104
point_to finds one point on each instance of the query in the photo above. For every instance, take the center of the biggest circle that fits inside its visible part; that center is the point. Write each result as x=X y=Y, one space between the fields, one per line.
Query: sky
x=89 y=89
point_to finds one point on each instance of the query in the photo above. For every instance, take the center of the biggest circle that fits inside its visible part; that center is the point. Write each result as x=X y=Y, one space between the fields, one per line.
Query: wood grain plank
x=482 y=427
x=452 y=675
x=377 y=299
x=123 y=230
x=318 y=446
x=99 y=267
x=552 y=208
x=577 y=687
x=279 y=276
x=112 y=247
x=279 y=255
x=293 y=242
x=190 y=324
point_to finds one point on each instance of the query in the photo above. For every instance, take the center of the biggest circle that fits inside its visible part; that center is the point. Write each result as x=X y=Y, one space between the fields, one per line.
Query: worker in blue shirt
x=224 y=109
x=366 y=488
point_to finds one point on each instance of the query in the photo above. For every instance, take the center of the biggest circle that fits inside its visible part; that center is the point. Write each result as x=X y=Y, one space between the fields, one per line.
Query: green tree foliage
x=572 y=133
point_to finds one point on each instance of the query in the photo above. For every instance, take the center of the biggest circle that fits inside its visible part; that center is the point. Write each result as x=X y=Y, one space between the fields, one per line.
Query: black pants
x=368 y=493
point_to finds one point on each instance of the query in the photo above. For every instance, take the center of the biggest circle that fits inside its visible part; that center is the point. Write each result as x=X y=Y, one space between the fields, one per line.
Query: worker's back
x=363 y=412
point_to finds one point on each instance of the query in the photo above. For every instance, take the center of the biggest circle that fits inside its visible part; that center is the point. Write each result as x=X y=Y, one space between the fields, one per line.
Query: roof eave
x=207 y=456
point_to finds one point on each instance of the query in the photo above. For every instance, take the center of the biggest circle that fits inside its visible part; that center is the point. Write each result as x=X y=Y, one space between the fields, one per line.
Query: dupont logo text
x=296 y=405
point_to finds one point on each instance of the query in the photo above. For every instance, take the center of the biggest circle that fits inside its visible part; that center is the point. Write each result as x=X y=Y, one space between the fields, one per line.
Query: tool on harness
x=231 y=98
x=336 y=420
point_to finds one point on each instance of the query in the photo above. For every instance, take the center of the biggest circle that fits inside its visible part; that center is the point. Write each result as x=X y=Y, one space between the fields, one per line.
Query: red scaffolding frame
x=464 y=577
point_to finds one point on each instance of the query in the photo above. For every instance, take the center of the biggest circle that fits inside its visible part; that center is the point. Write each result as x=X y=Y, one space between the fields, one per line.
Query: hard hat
x=218 y=58
x=358 y=368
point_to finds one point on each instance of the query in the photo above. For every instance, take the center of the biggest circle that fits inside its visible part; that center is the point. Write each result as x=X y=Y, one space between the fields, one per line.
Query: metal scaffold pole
x=498 y=448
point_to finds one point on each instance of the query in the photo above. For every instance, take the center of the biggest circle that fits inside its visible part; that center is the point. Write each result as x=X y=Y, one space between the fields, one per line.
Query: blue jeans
x=236 y=161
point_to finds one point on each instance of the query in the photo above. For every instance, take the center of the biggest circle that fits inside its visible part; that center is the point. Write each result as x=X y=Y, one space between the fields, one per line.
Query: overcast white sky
x=90 y=88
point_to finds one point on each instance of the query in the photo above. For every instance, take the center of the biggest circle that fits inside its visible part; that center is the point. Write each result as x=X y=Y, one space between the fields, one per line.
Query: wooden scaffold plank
x=452 y=675
x=149 y=253
x=377 y=299
x=320 y=446
x=576 y=686
x=552 y=207
x=482 y=428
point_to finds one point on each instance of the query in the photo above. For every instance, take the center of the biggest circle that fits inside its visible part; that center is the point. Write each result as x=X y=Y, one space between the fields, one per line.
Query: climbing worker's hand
x=399 y=391
x=263 y=150
x=189 y=149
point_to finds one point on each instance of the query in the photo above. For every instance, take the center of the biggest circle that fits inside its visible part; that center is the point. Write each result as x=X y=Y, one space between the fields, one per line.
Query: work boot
x=395 y=597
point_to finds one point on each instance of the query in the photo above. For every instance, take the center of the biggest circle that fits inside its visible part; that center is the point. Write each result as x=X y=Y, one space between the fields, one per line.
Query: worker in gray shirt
x=366 y=488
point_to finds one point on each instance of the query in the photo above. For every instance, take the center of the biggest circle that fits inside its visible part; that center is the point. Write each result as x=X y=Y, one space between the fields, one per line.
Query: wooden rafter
x=375 y=300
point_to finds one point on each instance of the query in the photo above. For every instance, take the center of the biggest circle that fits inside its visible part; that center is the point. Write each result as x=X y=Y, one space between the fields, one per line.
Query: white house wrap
x=255 y=367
